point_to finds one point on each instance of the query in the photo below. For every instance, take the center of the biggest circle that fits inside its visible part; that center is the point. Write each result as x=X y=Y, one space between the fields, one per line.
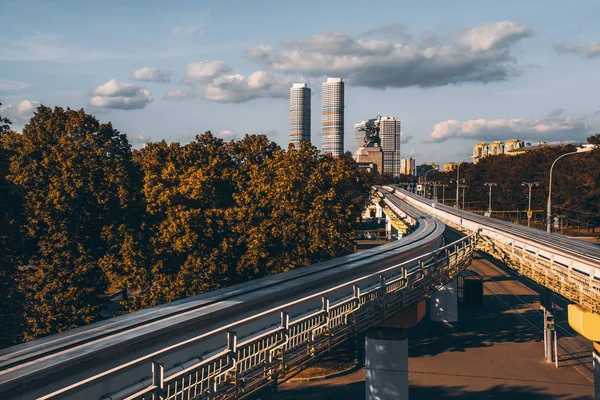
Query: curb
x=353 y=368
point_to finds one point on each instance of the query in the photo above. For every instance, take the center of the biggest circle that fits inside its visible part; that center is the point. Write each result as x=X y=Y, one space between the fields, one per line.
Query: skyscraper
x=333 y=116
x=299 y=113
x=408 y=166
x=389 y=133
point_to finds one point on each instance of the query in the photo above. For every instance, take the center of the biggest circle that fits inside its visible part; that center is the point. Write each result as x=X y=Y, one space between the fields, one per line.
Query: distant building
x=407 y=166
x=299 y=113
x=390 y=133
x=389 y=138
x=368 y=166
x=422 y=169
x=482 y=150
x=451 y=166
x=359 y=133
x=333 y=116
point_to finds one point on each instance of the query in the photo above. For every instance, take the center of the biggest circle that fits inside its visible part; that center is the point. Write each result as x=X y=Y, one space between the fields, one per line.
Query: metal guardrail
x=255 y=362
x=231 y=342
x=564 y=265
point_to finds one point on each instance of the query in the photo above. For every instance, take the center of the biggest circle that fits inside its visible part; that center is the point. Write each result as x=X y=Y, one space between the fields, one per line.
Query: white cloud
x=19 y=113
x=151 y=74
x=120 y=95
x=139 y=138
x=227 y=134
x=405 y=138
x=8 y=85
x=204 y=71
x=36 y=47
x=180 y=94
x=591 y=50
x=478 y=54
x=239 y=88
x=546 y=129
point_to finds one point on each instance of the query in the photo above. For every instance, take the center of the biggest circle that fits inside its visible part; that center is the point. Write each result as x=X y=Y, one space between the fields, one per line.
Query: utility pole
x=463 y=190
x=490 y=184
x=444 y=186
x=458 y=178
x=529 y=214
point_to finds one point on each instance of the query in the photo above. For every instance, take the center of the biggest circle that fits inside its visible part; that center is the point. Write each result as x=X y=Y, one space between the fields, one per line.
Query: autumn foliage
x=84 y=215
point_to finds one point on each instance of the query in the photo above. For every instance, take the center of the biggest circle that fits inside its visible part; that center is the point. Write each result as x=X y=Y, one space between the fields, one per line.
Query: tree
x=594 y=139
x=78 y=184
x=4 y=123
x=11 y=245
x=186 y=191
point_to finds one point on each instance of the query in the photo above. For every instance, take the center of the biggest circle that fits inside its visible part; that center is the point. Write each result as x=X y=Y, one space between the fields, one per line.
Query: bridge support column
x=587 y=324
x=549 y=337
x=386 y=355
x=444 y=303
x=386 y=363
x=596 y=359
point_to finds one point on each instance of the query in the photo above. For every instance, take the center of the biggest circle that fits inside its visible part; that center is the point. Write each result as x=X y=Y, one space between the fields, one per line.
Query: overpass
x=231 y=342
x=566 y=266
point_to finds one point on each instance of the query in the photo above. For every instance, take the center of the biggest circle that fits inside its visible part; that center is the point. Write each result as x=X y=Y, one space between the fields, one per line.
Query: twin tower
x=332 y=115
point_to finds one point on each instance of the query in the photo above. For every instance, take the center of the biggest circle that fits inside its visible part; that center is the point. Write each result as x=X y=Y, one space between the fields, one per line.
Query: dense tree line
x=83 y=215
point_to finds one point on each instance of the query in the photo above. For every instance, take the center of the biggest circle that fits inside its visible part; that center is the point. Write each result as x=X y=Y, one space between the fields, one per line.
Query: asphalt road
x=493 y=352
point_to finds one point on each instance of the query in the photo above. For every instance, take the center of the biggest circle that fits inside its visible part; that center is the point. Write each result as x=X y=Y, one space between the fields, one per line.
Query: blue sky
x=454 y=72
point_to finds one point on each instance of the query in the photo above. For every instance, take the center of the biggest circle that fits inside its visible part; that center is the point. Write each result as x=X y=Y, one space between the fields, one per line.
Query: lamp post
x=444 y=186
x=463 y=187
x=584 y=149
x=490 y=184
x=435 y=186
x=425 y=178
x=530 y=184
x=458 y=177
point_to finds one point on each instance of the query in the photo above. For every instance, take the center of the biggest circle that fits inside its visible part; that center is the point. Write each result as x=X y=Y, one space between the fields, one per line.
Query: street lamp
x=463 y=187
x=583 y=149
x=458 y=177
x=425 y=177
x=530 y=184
x=435 y=186
x=490 y=184
x=444 y=186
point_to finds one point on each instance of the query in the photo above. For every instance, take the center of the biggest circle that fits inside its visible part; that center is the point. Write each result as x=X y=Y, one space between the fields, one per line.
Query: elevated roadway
x=231 y=342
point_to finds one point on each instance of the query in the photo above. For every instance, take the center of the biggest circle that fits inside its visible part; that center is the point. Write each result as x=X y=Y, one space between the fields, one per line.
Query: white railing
x=564 y=265
x=255 y=362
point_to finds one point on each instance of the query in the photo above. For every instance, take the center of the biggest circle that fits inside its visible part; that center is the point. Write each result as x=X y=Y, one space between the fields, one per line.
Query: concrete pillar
x=386 y=363
x=444 y=303
x=596 y=359
x=388 y=227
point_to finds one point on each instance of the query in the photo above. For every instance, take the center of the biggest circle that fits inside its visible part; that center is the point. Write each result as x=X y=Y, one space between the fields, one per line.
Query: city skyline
x=494 y=73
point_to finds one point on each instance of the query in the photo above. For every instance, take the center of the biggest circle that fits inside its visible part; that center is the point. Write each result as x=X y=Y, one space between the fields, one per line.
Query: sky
x=455 y=73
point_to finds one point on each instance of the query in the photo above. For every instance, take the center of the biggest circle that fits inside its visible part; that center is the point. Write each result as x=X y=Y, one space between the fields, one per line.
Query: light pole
x=490 y=184
x=425 y=178
x=530 y=184
x=435 y=186
x=458 y=178
x=444 y=186
x=463 y=187
x=584 y=149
